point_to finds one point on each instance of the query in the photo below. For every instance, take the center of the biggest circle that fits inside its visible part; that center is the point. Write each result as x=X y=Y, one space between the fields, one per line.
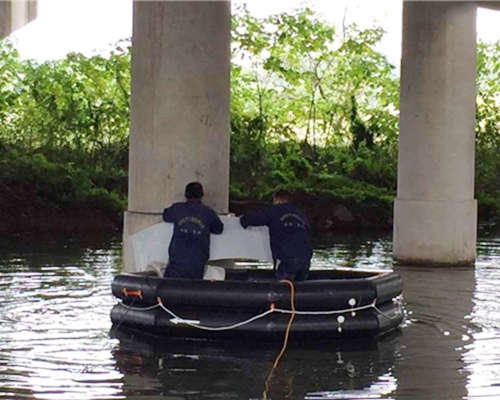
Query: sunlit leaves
x=296 y=74
x=78 y=102
x=64 y=128
x=488 y=129
x=310 y=71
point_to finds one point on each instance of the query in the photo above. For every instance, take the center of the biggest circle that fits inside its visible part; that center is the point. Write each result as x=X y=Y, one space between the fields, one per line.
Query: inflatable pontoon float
x=248 y=303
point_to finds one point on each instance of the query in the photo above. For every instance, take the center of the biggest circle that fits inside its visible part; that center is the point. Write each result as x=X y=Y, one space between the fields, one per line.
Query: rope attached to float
x=271 y=310
x=208 y=328
x=285 y=342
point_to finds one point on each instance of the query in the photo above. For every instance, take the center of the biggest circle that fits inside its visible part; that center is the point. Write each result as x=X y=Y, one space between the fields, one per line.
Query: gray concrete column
x=179 y=107
x=435 y=212
x=14 y=14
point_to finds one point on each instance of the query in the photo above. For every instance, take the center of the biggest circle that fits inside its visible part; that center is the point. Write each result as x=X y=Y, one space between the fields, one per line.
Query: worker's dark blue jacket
x=288 y=231
x=190 y=246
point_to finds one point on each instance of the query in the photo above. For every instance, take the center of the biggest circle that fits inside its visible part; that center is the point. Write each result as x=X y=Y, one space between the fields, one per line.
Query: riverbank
x=328 y=214
x=325 y=215
x=53 y=220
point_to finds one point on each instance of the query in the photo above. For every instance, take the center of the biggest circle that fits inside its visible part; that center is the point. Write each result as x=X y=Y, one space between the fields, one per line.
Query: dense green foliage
x=64 y=130
x=314 y=108
x=488 y=130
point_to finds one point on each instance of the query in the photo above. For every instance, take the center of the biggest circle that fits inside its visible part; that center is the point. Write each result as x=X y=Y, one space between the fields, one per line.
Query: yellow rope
x=285 y=342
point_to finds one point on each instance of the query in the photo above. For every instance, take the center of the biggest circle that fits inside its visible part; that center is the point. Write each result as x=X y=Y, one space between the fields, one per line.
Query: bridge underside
x=492 y=5
x=180 y=118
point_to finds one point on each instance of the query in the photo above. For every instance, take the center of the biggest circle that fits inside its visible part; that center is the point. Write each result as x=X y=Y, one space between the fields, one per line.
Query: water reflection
x=54 y=334
x=54 y=313
x=438 y=300
x=482 y=352
x=354 y=250
x=202 y=369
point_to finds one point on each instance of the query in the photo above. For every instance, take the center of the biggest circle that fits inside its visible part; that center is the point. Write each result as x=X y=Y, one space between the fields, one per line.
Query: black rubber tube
x=270 y=327
x=257 y=295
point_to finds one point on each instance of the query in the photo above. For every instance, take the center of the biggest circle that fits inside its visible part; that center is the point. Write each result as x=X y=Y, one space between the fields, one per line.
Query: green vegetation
x=314 y=108
x=64 y=132
x=488 y=131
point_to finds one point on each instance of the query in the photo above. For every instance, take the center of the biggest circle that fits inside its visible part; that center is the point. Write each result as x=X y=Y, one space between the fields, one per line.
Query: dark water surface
x=55 y=334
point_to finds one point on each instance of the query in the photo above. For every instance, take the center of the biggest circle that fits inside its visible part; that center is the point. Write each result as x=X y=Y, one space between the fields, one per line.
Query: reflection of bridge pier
x=432 y=365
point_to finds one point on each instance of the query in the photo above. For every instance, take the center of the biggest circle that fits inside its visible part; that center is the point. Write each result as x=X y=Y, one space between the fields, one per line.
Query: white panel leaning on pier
x=150 y=245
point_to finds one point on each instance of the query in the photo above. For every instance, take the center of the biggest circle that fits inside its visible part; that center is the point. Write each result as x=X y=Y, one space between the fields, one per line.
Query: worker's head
x=194 y=191
x=281 y=196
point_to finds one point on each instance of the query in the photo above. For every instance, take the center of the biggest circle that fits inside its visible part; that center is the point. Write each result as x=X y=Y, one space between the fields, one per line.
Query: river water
x=55 y=340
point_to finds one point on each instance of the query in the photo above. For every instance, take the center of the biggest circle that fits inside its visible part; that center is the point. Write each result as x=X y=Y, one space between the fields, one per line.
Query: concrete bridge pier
x=14 y=14
x=435 y=211
x=179 y=108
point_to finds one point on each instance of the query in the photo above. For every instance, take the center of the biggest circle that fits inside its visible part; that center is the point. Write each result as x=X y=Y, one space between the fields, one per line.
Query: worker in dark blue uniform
x=193 y=223
x=289 y=234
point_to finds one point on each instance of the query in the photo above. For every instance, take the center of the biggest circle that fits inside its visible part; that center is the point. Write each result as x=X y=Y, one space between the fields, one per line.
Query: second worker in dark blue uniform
x=190 y=245
x=289 y=234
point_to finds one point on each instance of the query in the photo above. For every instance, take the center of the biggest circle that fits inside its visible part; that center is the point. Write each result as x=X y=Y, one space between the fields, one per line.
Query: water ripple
x=54 y=334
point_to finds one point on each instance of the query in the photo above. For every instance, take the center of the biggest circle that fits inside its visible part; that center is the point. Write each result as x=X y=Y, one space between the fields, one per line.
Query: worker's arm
x=256 y=218
x=216 y=226
x=168 y=214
